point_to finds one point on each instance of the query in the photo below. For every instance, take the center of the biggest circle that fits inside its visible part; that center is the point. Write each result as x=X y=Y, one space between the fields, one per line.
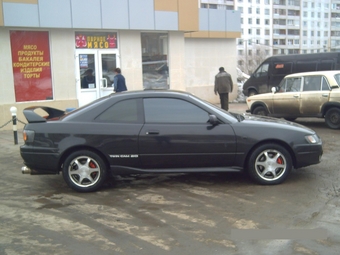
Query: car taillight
x=28 y=135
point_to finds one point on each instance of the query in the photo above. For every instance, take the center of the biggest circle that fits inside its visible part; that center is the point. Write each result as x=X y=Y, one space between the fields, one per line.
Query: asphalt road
x=173 y=214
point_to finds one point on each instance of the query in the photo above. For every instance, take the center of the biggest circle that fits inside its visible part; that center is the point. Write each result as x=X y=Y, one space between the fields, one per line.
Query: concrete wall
x=203 y=58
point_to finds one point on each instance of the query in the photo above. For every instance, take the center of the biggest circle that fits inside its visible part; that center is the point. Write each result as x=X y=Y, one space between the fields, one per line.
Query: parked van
x=270 y=73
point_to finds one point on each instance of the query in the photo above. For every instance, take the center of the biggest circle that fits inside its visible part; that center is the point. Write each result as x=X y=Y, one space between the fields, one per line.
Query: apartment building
x=47 y=48
x=272 y=27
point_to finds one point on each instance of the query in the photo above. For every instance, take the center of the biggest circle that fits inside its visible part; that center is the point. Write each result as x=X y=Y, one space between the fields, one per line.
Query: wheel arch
x=78 y=148
x=252 y=88
x=329 y=105
x=275 y=141
x=257 y=104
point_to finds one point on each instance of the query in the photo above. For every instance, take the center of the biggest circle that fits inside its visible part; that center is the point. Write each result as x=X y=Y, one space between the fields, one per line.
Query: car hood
x=272 y=121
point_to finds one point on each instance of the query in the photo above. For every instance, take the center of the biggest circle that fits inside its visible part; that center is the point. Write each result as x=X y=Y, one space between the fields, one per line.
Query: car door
x=314 y=94
x=176 y=133
x=287 y=103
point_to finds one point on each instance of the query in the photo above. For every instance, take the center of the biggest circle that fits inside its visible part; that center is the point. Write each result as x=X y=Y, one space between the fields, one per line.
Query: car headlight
x=313 y=139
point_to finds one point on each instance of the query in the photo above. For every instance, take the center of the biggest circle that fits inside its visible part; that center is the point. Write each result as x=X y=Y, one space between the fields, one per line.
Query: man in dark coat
x=119 y=84
x=223 y=85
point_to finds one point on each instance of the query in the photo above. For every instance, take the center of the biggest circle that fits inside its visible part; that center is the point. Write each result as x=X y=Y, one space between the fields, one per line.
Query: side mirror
x=273 y=90
x=213 y=120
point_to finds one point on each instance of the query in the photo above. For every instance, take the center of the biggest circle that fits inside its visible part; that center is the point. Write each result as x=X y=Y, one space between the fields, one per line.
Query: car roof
x=333 y=72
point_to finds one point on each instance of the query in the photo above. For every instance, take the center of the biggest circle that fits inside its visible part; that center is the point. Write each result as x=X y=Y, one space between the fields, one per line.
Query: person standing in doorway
x=223 y=85
x=119 y=84
x=89 y=80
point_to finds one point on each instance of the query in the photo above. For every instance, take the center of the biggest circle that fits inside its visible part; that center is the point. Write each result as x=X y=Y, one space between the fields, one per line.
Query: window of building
x=249 y=10
x=312 y=14
x=267 y=32
x=305 y=4
x=249 y=31
x=305 y=14
x=257 y=10
x=250 y=21
x=240 y=52
x=266 y=42
x=155 y=60
x=258 y=31
x=304 y=33
x=250 y=52
x=266 y=22
x=240 y=9
x=257 y=21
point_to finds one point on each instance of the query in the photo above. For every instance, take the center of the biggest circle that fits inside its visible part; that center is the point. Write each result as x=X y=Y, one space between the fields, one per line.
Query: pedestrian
x=223 y=85
x=119 y=84
x=89 y=80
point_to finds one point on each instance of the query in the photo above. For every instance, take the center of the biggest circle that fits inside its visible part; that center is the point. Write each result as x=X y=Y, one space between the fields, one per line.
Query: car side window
x=262 y=70
x=171 y=110
x=122 y=112
x=312 y=83
x=293 y=84
x=324 y=84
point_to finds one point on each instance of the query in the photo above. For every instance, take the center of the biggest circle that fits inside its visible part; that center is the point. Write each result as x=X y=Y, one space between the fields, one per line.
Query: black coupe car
x=156 y=131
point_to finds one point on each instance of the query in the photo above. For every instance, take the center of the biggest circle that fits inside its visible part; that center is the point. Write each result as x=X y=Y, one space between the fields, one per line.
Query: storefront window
x=31 y=65
x=155 y=60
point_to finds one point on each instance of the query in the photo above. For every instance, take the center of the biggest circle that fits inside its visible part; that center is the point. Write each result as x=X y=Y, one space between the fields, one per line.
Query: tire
x=251 y=93
x=332 y=118
x=84 y=171
x=269 y=164
x=260 y=110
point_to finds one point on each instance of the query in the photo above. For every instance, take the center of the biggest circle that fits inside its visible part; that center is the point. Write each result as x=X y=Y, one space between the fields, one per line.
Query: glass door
x=95 y=72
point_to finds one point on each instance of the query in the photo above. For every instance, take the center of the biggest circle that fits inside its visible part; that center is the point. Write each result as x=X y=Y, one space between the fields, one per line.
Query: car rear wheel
x=84 y=171
x=269 y=164
x=251 y=92
x=332 y=118
x=260 y=110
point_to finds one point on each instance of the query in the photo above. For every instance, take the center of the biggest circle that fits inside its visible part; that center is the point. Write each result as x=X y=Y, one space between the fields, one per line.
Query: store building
x=47 y=49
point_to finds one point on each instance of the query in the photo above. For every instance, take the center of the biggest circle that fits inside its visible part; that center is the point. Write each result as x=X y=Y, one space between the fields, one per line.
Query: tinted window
x=305 y=66
x=121 y=112
x=169 y=110
x=325 y=65
x=262 y=70
x=282 y=68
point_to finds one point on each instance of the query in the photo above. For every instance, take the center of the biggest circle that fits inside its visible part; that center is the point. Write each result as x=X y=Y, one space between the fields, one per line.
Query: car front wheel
x=269 y=164
x=84 y=171
x=260 y=110
x=332 y=118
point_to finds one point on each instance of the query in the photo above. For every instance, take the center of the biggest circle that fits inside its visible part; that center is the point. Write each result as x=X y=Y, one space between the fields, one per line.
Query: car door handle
x=152 y=132
x=325 y=95
x=296 y=96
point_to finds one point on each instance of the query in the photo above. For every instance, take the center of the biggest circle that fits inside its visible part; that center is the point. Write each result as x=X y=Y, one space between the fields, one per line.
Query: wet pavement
x=173 y=214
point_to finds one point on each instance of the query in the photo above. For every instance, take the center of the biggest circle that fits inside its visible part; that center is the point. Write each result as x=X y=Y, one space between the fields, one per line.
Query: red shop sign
x=31 y=65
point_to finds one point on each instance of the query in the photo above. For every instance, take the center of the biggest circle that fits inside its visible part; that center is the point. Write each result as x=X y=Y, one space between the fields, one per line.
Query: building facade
x=272 y=27
x=62 y=53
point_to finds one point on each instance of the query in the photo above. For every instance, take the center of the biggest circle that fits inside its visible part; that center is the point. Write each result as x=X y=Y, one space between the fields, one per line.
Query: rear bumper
x=41 y=162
